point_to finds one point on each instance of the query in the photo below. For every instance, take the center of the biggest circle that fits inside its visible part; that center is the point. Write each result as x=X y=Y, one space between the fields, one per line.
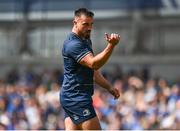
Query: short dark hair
x=83 y=11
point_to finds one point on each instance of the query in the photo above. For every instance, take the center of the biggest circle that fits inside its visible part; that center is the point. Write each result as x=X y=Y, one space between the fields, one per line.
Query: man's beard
x=87 y=34
x=87 y=37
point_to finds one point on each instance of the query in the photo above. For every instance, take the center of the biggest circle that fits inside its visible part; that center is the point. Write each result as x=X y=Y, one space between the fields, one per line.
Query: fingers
x=115 y=93
x=107 y=36
x=113 y=38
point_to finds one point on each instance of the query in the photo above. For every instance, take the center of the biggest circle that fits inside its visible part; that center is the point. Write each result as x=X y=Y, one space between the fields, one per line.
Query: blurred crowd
x=30 y=100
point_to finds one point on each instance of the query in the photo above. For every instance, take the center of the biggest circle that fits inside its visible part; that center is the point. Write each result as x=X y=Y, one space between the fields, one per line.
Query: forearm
x=96 y=62
x=100 y=59
x=101 y=81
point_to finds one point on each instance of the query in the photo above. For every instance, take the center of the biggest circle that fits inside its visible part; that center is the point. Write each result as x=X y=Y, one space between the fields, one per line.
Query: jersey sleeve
x=77 y=50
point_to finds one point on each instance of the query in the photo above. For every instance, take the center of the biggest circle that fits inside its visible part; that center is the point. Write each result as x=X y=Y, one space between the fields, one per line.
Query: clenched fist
x=112 y=39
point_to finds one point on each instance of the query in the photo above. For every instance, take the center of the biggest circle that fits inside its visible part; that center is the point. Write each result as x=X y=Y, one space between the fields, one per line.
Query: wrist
x=109 y=88
x=111 y=45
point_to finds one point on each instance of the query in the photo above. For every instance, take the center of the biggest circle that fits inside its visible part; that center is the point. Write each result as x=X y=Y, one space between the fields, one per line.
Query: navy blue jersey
x=78 y=79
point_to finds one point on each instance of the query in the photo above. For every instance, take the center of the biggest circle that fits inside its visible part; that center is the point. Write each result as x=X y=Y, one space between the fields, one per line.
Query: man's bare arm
x=96 y=62
x=101 y=81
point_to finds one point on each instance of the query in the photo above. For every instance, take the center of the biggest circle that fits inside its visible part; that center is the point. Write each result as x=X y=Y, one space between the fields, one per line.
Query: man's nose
x=90 y=27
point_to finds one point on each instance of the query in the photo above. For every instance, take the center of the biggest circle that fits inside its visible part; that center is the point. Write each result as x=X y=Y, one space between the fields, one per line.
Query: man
x=81 y=68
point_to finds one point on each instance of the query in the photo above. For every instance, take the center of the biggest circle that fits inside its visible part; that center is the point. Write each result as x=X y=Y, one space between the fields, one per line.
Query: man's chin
x=87 y=36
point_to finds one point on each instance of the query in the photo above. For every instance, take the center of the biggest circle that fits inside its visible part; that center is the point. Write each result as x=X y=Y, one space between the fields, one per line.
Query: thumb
x=107 y=36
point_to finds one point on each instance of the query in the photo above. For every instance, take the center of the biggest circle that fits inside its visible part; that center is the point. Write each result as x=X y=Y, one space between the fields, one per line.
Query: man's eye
x=86 y=24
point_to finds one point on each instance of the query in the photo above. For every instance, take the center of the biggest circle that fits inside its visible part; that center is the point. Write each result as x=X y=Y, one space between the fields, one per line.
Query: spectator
x=144 y=105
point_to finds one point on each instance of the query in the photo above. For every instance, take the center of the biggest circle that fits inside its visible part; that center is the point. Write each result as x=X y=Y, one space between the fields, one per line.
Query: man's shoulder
x=71 y=39
x=73 y=42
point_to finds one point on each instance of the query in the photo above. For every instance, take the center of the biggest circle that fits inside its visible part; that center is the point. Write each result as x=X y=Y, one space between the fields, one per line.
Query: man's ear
x=75 y=22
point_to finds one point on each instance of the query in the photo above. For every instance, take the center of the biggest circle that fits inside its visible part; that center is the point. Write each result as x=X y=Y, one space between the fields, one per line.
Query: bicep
x=77 y=51
x=87 y=60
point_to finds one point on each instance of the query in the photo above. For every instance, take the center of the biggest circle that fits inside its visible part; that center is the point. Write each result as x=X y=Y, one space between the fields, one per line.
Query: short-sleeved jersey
x=78 y=79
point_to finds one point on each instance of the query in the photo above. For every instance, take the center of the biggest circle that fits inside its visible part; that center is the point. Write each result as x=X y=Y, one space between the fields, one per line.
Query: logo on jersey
x=86 y=112
x=75 y=117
